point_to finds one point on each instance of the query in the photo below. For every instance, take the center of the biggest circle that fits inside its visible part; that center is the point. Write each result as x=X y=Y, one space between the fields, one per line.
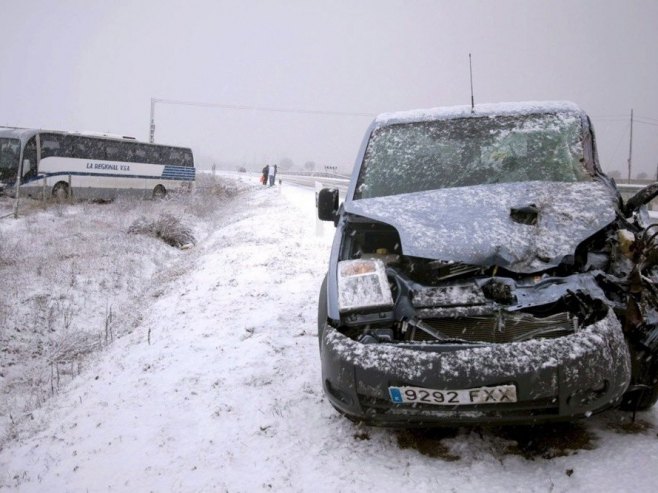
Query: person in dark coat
x=266 y=170
x=272 y=174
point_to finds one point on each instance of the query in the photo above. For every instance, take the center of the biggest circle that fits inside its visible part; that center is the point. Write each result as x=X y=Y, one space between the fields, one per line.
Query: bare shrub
x=167 y=227
x=71 y=345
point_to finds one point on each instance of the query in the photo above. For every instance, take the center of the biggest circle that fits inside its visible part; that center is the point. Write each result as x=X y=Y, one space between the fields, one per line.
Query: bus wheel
x=61 y=191
x=159 y=192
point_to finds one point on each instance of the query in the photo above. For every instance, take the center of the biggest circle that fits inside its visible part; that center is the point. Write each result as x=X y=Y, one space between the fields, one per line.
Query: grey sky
x=88 y=65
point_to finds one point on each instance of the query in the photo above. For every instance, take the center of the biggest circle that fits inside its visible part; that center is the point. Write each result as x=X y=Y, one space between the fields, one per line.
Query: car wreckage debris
x=487 y=250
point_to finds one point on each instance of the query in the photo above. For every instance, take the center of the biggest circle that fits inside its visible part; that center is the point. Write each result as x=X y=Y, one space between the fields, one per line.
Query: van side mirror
x=26 y=167
x=644 y=196
x=328 y=205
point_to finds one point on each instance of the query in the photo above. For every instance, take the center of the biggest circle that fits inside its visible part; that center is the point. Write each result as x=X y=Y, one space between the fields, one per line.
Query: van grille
x=498 y=328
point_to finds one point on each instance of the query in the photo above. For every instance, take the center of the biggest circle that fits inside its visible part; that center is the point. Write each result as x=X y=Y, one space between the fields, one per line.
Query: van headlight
x=363 y=284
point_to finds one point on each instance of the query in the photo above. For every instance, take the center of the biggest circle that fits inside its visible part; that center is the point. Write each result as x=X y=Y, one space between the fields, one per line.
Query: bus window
x=187 y=158
x=112 y=151
x=94 y=148
x=128 y=152
x=175 y=157
x=30 y=154
x=141 y=152
x=52 y=145
x=153 y=155
x=79 y=148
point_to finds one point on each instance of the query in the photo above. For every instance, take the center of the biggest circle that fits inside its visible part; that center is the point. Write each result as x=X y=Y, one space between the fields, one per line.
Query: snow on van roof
x=490 y=109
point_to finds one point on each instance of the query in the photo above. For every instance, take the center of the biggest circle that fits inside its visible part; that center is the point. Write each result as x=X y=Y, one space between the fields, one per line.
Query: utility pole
x=470 y=67
x=152 y=128
x=630 y=149
x=18 y=189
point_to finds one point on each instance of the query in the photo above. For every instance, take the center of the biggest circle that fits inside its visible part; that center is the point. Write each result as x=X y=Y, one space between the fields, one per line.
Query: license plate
x=481 y=395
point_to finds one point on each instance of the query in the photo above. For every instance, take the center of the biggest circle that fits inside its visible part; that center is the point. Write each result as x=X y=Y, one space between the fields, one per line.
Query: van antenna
x=470 y=66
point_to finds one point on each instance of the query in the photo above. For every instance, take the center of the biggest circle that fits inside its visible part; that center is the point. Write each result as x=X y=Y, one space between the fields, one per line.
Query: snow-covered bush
x=166 y=227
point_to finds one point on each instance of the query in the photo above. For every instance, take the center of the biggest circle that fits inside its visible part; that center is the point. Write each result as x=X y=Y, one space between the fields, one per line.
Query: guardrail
x=627 y=190
x=322 y=174
x=328 y=181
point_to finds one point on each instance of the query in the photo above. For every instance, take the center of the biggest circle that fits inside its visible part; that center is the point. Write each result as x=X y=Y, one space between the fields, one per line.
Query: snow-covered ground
x=218 y=389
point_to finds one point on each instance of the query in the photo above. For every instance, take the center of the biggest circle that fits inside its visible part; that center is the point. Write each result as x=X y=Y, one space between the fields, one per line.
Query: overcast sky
x=95 y=65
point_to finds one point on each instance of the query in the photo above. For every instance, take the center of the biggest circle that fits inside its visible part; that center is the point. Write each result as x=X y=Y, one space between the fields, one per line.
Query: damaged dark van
x=486 y=271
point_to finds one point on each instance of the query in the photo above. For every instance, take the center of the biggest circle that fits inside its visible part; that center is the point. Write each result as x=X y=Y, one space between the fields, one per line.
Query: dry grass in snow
x=75 y=277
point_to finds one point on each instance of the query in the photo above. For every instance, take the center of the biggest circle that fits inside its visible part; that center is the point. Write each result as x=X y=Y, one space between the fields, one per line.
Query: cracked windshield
x=415 y=157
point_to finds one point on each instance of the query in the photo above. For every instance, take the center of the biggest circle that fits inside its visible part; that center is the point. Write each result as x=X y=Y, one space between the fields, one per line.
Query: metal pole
x=152 y=126
x=470 y=67
x=630 y=149
x=18 y=190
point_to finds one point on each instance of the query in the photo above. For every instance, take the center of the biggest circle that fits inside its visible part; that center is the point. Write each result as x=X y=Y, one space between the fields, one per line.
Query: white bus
x=90 y=166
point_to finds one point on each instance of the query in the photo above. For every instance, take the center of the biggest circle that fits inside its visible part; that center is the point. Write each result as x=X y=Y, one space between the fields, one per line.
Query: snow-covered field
x=215 y=383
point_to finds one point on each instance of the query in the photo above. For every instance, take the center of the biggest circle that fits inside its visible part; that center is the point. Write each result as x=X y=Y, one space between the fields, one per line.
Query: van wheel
x=159 y=192
x=61 y=191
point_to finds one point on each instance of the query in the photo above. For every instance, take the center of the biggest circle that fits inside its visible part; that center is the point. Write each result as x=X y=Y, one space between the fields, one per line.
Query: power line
x=644 y=120
x=263 y=108
x=624 y=118
x=649 y=118
x=609 y=117
x=239 y=107
x=647 y=123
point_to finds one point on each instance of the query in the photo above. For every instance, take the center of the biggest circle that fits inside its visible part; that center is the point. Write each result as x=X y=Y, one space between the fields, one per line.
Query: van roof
x=480 y=110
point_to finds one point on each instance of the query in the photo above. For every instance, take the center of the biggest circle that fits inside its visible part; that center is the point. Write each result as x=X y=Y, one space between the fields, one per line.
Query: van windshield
x=413 y=157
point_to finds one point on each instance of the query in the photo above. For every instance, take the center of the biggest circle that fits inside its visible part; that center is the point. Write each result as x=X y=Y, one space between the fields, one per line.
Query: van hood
x=524 y=227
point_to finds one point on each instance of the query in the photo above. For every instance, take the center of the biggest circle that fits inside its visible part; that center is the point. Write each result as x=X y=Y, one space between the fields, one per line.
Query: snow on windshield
x=429 y=155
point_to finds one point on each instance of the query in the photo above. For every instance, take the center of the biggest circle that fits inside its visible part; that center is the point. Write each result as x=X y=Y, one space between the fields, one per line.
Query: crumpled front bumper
x=556 y=379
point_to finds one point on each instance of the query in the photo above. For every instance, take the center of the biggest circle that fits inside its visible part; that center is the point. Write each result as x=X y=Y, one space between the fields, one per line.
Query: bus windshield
x=413 y=157
x=10 y=151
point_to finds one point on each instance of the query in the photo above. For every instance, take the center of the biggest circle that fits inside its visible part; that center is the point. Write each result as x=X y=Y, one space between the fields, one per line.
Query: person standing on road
x=263 y=179
x=272 y=173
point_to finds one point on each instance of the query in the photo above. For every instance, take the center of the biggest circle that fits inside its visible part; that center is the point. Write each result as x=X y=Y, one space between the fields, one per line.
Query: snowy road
x=227 y=395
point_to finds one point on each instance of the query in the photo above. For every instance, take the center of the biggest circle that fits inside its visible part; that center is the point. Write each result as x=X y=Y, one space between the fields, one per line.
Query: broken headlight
x=363 y=284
